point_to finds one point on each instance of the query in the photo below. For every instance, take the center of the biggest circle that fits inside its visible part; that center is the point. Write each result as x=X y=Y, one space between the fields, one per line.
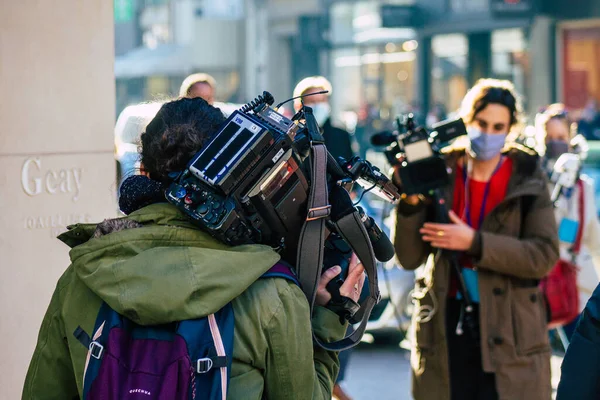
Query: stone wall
x=56 y=155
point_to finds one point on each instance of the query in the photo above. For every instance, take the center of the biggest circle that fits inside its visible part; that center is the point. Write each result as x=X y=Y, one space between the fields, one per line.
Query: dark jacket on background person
x=580 y=377
x=155 y=267
x=337 y=141
x=511 y=253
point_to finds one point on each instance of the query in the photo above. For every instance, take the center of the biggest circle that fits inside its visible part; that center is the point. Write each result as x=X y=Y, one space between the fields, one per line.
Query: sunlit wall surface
x=56 y=156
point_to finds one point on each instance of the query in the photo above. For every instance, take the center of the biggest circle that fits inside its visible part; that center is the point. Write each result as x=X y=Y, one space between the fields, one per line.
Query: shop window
x=449 y=72
x=581 y=67
x=510 y=58
x=462 y=6
x=581 y=78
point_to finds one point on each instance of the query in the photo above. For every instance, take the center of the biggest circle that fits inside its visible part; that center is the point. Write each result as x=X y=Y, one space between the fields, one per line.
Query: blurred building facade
x=550 y=49
x=247 y=45
x=384 y=57
x=390 y=57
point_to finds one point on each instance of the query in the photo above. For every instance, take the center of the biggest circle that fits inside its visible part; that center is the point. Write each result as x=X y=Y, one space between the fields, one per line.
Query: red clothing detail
x=497 y=192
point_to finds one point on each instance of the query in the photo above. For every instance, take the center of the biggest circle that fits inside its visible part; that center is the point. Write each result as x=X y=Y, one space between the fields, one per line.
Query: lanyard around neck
x=486 y=193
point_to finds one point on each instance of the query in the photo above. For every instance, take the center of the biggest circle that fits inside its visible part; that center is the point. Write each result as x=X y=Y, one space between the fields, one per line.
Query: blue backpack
x=178 y=361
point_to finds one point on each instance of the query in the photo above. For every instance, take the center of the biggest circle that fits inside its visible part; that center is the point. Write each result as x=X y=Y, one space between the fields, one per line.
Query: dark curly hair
x=491 y=91
x=176 y=134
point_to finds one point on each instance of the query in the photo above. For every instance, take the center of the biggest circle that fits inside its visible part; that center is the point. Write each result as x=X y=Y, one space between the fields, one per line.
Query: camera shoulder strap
x=309 y=262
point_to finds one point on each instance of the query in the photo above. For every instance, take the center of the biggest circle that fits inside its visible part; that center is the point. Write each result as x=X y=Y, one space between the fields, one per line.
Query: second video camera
x=418 y=153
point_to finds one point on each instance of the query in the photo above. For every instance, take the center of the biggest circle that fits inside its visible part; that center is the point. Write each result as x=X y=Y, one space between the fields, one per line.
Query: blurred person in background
x=199 y=85
x=589 y=123
x=504 y=232
x=170 y=270
x=337 y=140
x=436 y=114
x=558 y=136
x=338 y=144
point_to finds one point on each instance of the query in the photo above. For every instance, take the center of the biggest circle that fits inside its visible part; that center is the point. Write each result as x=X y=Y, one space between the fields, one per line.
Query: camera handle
x=467 y=312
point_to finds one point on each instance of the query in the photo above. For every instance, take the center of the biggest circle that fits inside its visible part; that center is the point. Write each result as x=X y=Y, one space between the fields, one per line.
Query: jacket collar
x=527 y=178
x=154 y=214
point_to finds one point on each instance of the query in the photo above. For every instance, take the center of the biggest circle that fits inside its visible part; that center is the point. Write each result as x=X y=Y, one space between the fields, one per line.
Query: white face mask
x=321 y=111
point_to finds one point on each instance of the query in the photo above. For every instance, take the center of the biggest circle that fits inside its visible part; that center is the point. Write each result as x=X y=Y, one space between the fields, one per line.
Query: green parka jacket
x=162 y=269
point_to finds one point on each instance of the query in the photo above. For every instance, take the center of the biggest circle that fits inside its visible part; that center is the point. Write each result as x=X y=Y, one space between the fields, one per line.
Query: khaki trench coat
x=515 y=251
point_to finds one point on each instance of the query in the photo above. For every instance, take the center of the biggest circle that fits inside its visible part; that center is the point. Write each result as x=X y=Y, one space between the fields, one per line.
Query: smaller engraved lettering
x=140 y=391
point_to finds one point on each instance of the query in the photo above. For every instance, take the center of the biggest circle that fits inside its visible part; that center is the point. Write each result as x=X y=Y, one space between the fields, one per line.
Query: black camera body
x=246 y=185
x=250 y=183
x=418 y=153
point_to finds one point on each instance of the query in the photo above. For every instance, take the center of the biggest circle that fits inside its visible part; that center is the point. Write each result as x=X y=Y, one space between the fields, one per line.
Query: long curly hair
x=177 y=132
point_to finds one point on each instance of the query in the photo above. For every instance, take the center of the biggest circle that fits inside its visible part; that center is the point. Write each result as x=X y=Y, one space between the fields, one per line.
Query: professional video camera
x=417 y=152
x=250 y=183
x=266 y=179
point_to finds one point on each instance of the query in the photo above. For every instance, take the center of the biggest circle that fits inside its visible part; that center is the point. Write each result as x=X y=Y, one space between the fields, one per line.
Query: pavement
x=382 y=372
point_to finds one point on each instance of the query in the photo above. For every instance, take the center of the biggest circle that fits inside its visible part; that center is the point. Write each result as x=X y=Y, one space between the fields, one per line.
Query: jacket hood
x=155 y=267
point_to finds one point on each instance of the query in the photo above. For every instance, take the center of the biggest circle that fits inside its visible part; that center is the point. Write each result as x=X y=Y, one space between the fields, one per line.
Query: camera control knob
x=180 y=192
x=202 y=209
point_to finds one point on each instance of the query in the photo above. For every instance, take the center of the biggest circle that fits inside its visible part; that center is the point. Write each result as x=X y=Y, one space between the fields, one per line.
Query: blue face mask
x=485 y=146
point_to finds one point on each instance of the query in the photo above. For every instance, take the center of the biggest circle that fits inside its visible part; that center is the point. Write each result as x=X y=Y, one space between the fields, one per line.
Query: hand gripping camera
x=267 y=179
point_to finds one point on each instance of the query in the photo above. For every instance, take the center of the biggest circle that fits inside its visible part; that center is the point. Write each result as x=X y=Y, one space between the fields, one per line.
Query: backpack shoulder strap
x=281 y=270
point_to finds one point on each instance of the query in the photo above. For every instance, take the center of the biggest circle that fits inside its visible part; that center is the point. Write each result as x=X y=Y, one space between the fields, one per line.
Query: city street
x=382 y=372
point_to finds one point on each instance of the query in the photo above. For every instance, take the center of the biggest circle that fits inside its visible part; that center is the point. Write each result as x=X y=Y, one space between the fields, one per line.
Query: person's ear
x=143 y=171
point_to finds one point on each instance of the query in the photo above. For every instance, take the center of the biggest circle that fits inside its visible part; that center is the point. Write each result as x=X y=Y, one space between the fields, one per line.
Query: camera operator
x=503 y=234
x=119 y=262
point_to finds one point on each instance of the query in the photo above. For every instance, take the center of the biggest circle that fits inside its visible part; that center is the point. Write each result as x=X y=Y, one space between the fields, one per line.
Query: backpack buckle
x=96 y=350
x=203 y=365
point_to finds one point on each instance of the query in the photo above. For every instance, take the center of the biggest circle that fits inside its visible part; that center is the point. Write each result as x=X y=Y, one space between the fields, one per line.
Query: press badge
x=567 y=230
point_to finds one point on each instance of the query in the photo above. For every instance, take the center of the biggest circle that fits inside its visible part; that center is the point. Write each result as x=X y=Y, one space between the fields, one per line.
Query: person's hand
x=352 y=286
x=455 y=236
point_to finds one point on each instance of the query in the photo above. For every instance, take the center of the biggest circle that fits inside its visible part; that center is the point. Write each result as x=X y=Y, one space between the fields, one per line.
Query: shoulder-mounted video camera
x=418 y=153
x=267 y=179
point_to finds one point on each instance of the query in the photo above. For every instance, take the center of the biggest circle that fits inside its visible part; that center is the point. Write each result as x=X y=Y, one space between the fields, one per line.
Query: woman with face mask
x=575 y=208
x=504 y=235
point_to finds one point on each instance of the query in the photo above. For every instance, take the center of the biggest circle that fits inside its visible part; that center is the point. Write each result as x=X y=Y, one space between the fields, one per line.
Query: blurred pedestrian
x=199 y=85
x=575 y=209
x=337 y=140
x=338 y=143
x=504 y=235
x=155 y=268
x=437 y=113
